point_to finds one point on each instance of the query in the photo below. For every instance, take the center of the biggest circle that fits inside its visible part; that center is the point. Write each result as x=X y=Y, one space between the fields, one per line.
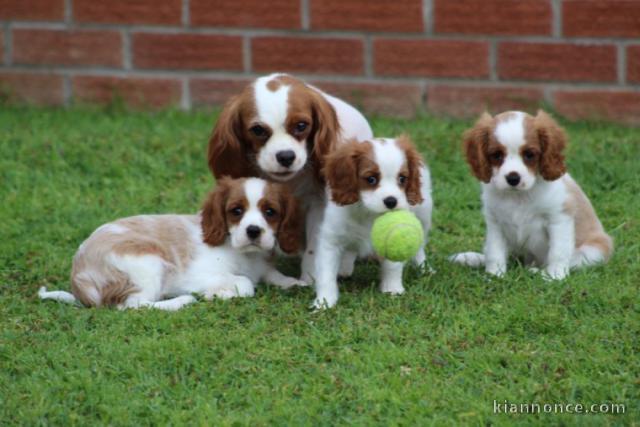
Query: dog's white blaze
x=510 y=132
x=389 y=158
x=271 y=105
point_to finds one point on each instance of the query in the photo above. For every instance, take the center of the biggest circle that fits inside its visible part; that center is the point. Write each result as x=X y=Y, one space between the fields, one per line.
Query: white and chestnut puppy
x=366 y=179
x=533 y=209
x=159 y=261
x=281 y=129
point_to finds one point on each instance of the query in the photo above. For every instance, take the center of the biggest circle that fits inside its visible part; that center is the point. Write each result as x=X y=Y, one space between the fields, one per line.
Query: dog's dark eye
x=402 y=179
x=236 y=211
x=497 y=156
x=258 y=131
x=372 y=180
x=301 y=127
x=529 y=155
x=269 y=212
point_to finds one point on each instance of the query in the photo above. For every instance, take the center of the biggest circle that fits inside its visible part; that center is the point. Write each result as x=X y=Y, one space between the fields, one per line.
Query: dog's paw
x=324 y=303
x=244 y=287
x=496 y=270
x=393 y=291
x=555 y=272
x=392 y=288
x=290 y=282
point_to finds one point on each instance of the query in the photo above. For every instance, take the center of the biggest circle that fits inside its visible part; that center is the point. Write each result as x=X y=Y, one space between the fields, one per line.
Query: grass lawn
x=441 y=354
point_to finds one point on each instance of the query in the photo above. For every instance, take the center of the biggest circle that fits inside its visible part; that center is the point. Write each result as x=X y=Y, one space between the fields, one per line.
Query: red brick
x=397 y=15
x=388 y=99
x=31 y=88
x=164 y=12
x=465 y=101
x=492 y=16
x=135 y=92
x=310 y=55
x=617 y=106
x=633 y=64
x=246 y=13
x=431 y=58
x=562 y=62
x=32 y=10
x=209 y=92
x=601 y=18
x=60 y=47
x=187 y=51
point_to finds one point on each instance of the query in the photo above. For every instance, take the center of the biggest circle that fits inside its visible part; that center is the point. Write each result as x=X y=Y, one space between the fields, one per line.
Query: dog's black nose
x=253 y=231
x=285 y=157
x=390 y=202
x=513 y=179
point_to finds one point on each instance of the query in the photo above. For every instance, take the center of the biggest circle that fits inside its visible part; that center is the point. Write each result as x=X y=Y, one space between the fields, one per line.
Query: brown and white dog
x=532 y=206
x=280 y=128
x=367 y=179
x=159 y=261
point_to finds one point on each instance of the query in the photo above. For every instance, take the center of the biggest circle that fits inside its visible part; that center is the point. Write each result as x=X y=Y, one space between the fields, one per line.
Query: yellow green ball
x=397 y=235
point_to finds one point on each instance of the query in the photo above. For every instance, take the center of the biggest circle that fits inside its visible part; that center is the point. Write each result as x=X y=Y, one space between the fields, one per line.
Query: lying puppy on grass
x=159 y=261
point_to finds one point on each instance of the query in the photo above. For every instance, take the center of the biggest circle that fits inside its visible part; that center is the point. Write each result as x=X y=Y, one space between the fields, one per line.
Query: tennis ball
x=397 y=235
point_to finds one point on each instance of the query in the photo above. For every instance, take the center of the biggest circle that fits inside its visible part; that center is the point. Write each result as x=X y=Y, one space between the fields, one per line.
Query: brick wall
x=453 y=57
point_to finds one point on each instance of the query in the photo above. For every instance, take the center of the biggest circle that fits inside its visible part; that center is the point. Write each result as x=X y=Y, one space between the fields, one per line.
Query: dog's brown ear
x=553 y=141
x=414 y=163
x=213 y=222
x=290 y=229
x=324 y=132
x=475 y=145
x=227 y=148
x=341 y=173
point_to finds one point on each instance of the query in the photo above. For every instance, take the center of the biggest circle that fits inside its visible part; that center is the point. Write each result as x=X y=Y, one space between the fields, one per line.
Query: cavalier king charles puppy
x=366 y=179
x=532 y=207
x=159 y=261
x=281 y=129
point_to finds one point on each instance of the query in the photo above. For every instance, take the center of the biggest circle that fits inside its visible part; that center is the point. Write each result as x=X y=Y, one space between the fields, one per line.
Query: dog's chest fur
x=524 y=218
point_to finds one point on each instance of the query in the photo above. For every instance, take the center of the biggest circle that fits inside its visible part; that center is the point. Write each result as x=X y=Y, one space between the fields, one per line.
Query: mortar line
x=246 y=55
x=68 y=11
x=185 y=99
x=186 y=13
x=368 y=56
x=556 y=18
x=8 y=45
x=427 y=16
x=127 y=62
x=622 y=63
x=305 y=15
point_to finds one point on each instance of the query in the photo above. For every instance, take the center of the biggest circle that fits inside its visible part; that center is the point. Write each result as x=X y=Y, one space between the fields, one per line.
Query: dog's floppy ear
x=414 y=163
x=290 y=229
x=324 y=132
x=213 y=223
x=553 y=141
x=341 y=173
x=227 y=148
x=475 y=145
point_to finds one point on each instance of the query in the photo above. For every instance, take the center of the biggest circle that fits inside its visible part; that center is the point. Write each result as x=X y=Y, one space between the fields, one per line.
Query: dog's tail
x=470 y=259
x=61 y=296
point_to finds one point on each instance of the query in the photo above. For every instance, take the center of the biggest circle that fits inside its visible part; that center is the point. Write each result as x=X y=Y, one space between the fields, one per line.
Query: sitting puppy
x=220 y=252
x=281 y=129
x=366 y=179
x=532 y=207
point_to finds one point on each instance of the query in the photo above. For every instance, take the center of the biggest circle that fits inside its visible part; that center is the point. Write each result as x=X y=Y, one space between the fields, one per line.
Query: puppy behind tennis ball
x=397 y=235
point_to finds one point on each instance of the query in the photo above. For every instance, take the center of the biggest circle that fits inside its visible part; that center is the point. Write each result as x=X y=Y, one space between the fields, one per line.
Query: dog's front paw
x=290 y=282
x=392 y=288
x=324 y=302
x=555 y=272
x=496 y=269
x=306 y=277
